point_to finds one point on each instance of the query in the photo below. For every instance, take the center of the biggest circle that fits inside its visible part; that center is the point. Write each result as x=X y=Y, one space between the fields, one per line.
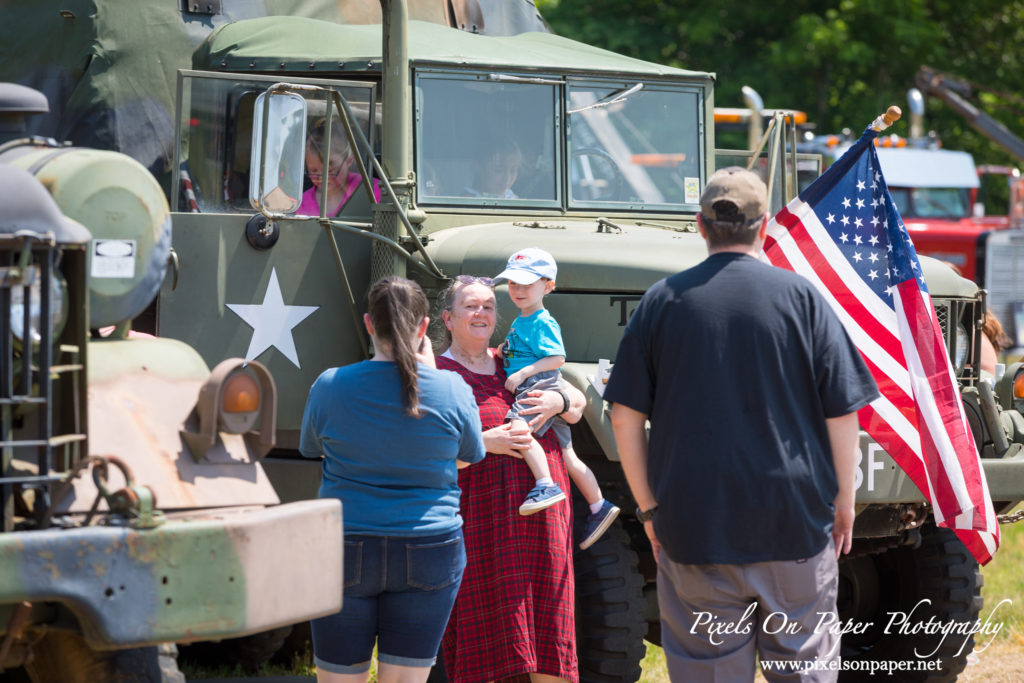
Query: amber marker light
x=1018 y=387
x=241 y=394
x=239 y=402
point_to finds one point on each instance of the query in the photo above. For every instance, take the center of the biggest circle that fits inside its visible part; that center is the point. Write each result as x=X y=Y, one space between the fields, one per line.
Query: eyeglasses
x=474 y=280
x=318 y=176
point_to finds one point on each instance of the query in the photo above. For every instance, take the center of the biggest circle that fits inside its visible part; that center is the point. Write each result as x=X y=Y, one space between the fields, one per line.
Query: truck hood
x=588 y=260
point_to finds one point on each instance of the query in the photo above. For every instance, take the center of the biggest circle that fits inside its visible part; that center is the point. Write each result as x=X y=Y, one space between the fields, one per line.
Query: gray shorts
x=715 y=616
x=542 y=381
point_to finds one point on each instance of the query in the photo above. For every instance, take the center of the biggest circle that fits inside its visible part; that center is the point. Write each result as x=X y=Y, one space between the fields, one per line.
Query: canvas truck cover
x=298 y=44
x=109 y=68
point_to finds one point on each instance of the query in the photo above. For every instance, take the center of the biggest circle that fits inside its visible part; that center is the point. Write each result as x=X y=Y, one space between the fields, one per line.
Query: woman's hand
x=548 y=404
x=508 y=439
x=425 y=353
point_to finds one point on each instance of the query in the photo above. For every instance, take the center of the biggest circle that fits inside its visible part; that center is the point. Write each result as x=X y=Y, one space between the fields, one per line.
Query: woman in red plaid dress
x=514 y=615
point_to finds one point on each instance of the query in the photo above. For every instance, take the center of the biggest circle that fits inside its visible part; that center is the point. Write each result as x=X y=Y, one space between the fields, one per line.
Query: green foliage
x=843 y=62
x=1003 y=580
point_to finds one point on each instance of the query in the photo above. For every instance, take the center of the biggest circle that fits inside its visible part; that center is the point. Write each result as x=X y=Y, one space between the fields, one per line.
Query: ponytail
x=397 y=306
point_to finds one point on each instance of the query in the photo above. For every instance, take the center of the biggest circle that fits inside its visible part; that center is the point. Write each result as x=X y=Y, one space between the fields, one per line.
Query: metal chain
x=1011 y=518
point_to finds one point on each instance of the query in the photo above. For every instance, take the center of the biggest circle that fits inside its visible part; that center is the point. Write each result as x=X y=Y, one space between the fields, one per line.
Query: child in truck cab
x=533 y=353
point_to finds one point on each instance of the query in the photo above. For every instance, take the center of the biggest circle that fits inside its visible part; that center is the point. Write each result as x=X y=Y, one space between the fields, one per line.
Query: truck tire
x=65 y=656
x=899 y=580
x=610 y=607
x=248 y=652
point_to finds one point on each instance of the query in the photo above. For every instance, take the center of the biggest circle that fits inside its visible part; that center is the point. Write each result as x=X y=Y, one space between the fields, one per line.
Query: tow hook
x=135 y=502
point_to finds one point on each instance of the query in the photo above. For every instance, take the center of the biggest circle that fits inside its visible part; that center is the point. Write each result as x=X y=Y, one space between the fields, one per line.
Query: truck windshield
x=931 y=202
x=484 y=140
x=497 y=139
x=632 y=143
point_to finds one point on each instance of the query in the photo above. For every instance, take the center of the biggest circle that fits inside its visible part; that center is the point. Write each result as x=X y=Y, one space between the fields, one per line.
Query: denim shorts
x=399 y=592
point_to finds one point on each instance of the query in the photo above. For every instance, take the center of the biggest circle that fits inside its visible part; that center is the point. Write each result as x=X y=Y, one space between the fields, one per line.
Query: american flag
x=845 y=235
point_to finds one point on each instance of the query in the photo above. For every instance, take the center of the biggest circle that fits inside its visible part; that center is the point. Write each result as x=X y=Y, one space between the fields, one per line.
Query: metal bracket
x=203 y=7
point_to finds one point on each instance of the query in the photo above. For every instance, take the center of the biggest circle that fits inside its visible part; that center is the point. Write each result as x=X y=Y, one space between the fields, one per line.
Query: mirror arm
x=433 y=269
x=390 y=243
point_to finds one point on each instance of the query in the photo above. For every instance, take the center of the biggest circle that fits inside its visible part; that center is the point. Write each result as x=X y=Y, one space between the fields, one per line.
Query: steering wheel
x=600 y=186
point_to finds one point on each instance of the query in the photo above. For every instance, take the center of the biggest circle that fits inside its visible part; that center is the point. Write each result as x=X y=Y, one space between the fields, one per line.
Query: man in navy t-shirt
x=746 y=486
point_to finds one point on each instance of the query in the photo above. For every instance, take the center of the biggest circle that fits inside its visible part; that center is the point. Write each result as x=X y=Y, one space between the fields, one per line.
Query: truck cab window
x=214 y=150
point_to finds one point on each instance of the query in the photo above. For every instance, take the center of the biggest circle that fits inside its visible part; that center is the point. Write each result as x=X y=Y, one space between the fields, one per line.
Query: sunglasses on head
x=474 y=280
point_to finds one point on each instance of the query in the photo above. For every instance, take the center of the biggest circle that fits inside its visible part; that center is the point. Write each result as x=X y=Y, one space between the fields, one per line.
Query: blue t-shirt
x=395 y=475
x=531 y=338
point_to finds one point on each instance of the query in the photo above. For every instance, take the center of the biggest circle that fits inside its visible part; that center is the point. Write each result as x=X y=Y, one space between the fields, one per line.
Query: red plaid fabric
x=515 y=610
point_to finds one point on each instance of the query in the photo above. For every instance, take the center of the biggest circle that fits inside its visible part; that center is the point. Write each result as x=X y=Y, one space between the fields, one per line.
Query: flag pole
x=891 y=116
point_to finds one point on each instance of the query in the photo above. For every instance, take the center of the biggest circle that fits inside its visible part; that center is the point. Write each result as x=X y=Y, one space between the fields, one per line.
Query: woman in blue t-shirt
x=393 y=431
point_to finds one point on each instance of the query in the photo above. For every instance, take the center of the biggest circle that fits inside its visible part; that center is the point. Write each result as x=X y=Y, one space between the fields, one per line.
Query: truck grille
x=28 y=438
x=965 y=312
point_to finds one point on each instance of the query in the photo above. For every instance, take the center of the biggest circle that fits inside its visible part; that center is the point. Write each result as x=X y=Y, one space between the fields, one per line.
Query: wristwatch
x=646 y=515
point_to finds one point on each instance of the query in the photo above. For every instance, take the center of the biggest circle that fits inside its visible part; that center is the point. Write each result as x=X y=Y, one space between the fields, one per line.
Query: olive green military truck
x=134 y=510
x=610 y=156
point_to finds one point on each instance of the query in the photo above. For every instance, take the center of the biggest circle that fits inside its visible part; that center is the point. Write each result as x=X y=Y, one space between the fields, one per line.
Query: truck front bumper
x=214 y=574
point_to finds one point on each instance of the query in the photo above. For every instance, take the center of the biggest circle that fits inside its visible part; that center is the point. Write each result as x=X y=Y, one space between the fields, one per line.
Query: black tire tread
x=943 y=571
x=610 y=625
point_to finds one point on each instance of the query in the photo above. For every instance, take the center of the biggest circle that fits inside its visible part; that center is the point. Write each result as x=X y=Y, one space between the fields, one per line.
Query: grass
x=1004 y=580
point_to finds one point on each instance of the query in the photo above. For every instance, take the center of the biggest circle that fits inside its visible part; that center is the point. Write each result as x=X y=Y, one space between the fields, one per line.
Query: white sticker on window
x=113 y=258
x=692 y=190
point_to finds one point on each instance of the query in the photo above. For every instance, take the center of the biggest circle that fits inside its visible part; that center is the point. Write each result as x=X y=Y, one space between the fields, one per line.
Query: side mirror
x=978 y=210
x=280 y=163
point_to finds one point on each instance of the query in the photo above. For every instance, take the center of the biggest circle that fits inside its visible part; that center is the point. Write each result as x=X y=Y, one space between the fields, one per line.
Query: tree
x=842 y=62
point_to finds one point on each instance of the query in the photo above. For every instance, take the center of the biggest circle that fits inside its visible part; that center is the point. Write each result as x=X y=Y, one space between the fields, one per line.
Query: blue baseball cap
x=526 y=266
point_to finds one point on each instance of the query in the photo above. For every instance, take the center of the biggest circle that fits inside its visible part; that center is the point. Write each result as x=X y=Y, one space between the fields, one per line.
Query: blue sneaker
x=541 y=497
x=597 y=523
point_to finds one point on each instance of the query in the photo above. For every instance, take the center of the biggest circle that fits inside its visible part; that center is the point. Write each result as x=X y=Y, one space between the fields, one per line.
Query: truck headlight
x=963 y=343
x=58 y=308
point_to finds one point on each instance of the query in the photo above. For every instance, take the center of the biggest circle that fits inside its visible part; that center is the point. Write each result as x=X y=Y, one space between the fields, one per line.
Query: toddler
x=533 y=353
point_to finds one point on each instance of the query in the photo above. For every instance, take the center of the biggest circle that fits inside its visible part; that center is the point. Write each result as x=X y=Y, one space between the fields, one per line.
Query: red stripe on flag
x=975 y=544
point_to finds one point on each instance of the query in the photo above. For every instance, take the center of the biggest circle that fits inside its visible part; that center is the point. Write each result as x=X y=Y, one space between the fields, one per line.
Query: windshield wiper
x=611 y=98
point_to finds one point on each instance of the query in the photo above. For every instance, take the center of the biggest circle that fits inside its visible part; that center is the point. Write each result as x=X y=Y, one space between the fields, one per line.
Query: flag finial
x=891 y=116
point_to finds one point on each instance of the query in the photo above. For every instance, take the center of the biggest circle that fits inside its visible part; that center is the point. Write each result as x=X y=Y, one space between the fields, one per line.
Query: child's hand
x=500 y=351
x=514 y=380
